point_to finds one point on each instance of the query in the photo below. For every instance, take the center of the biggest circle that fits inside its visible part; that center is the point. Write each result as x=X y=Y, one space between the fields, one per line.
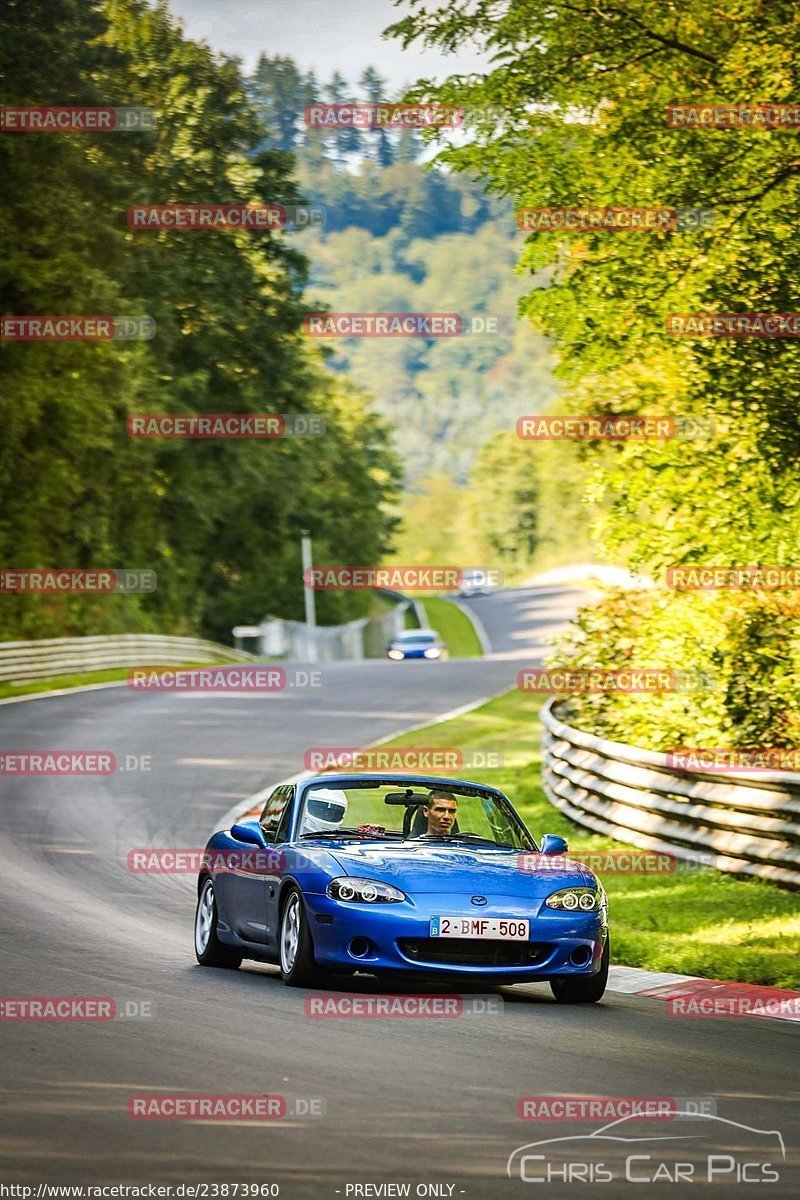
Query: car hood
x=417 y=867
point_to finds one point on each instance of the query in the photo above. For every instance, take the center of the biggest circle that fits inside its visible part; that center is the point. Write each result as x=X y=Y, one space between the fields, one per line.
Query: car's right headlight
x=395 y=654
x=366 y=891
x=578 y=899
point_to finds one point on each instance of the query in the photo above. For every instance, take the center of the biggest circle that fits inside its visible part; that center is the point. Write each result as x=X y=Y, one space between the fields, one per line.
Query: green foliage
x=453 y=626
x=573 y=112
x=747 y=647
x=446 y=396
x=400 y=236
x=218 y=521
x=505 y=494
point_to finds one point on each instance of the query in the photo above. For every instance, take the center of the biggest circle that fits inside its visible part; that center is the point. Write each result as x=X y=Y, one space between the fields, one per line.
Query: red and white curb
x=693 y=996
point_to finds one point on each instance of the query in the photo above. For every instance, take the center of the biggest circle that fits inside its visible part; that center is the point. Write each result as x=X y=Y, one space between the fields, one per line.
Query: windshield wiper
x=359 y=833
x=464 y=837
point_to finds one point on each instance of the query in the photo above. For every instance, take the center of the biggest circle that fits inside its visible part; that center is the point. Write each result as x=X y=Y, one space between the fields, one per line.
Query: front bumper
x=406 y=654
x=394 y=939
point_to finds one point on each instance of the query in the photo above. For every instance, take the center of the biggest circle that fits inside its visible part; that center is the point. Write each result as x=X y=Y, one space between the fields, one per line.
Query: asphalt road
x=423 y=1102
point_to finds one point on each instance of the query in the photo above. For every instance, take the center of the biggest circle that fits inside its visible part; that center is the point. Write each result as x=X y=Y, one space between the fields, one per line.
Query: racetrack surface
x=419 y=1101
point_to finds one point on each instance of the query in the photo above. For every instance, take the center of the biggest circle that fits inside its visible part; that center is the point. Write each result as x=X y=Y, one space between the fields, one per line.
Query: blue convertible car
x=401 y=875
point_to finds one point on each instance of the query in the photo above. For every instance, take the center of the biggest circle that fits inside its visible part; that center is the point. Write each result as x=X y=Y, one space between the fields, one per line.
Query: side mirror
x=551 y=844
x=250 y=832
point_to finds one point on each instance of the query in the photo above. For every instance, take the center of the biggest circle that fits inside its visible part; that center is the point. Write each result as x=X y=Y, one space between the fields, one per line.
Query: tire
x=210 y=951
x=586 y=989
x=295 y=945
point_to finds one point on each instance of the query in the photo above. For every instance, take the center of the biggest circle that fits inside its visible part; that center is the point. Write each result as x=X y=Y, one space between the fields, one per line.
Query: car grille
x=474 y=952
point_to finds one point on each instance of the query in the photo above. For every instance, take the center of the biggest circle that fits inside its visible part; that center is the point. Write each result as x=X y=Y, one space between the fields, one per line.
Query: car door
x=247 y=886
x=279 y=834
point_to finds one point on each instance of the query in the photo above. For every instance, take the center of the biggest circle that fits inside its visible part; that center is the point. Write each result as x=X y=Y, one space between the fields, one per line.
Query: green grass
x=454 y=627
x=697 y=921
x=30 y=687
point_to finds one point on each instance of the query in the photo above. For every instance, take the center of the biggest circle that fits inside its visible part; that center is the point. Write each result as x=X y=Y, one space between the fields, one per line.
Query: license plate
x=502 y=928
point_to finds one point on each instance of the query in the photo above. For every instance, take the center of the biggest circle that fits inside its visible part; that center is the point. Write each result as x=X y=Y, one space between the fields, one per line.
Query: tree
x=347 y=139
x=374 y=87
x=573 y=112
x=219 y=522
x=279 y=92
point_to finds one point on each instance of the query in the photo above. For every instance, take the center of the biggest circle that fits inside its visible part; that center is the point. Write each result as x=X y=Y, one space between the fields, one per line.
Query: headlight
x=432 y=653
x=395 y=654
x=366 y=891
x=579 y=899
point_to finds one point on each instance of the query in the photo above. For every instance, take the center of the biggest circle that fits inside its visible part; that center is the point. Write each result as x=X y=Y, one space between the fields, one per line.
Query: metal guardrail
x=50 y=657
x=294 y=641
x=747 y=823
x=406 y=602
x=365 y=637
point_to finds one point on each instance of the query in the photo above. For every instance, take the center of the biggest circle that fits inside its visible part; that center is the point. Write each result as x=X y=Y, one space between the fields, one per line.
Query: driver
x=440 y=812
x=325 y=809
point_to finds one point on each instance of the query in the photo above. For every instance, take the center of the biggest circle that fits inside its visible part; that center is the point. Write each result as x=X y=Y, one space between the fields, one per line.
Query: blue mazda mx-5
x=401 y=875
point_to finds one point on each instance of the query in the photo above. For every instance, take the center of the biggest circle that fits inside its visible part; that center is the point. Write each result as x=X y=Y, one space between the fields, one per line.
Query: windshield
x=400 y=812
x=425 y=639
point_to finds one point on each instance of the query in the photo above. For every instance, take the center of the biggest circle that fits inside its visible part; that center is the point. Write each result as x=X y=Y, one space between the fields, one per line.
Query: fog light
x=580 y=956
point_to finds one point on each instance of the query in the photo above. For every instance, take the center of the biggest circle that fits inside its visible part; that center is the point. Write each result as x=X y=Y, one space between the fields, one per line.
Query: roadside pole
x=308 y=592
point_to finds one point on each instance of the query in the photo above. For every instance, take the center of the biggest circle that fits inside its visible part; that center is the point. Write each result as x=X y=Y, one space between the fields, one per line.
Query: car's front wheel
x=583 y=989
x=298 y=968
x=210 y=951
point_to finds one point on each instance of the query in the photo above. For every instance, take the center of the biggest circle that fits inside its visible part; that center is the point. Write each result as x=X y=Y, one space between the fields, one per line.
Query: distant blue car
x=416 y=643
x=401 y=875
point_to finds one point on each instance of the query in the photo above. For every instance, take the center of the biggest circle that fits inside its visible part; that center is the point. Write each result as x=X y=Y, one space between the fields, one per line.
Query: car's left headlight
x=578 y=899
x=395 y=654
x=366 y=891
x=432 y=653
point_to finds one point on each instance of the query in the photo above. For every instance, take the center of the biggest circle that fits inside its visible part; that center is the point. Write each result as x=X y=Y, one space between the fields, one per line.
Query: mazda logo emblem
x=479 y=900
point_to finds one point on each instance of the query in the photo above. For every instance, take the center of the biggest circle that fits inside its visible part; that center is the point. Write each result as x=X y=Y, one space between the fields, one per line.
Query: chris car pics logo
x=696 y=1147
